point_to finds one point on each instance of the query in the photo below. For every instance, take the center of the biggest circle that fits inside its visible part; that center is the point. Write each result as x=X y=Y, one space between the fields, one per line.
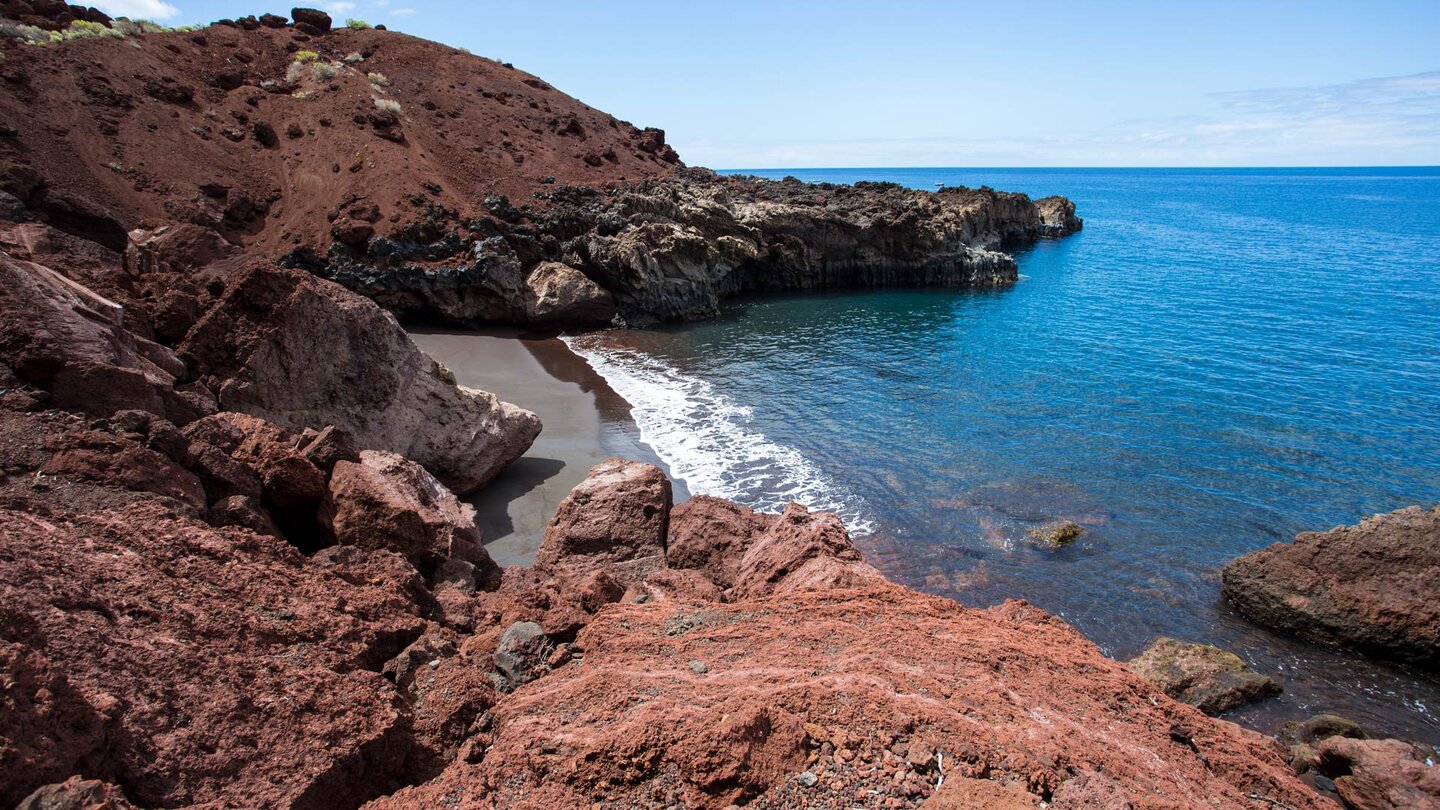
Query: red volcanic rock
x=67 y=339
x=1380 y=774
x=804 y=698
x=312 y=17
x=191 y=664
x=710 y=535
x=103 y=457
x=1370 y=587
x=288 y=479
x=77 y=794
x=1206 y=677
x=615 y=520
x=387 y=501
x=304 y=353
x=801 y=550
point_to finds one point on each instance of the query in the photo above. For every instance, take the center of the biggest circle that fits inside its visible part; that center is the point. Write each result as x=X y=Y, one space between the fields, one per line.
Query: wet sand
x=584 y=422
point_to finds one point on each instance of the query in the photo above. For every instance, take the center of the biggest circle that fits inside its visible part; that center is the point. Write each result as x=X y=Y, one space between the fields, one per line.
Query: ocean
x=1221 y=359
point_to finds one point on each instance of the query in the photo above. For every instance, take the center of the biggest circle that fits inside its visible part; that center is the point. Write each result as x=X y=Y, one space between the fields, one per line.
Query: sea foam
x=708 y=441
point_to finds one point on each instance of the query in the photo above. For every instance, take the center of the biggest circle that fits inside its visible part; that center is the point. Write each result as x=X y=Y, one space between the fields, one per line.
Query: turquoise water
x=1221 y=359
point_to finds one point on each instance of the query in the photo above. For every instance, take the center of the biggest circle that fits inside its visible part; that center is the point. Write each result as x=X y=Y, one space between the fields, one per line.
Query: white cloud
x=338 y=7
x=402 y=12
x=138 y=9
x=1381 y=121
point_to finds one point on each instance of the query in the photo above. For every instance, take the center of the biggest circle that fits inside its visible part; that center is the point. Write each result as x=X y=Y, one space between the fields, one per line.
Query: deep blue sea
x=1221 y=359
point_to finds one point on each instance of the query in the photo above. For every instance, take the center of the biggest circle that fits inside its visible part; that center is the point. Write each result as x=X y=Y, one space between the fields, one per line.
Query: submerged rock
x=1371 y=587
x=1206 y=677
x=1057 y=533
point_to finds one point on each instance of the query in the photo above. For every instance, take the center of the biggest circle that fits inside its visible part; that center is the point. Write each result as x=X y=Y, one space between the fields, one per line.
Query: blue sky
x=794 y=84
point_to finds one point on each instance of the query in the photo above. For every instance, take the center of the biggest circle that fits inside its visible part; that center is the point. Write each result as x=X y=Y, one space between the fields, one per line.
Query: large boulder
x=305 y=353
x=802 y=550
x=560 y=295
x=613 y=521
x=710 y=535
x=1370 y=587
x=66 y=338
x=312 y=17
x=1208 y=678
x=385 y=501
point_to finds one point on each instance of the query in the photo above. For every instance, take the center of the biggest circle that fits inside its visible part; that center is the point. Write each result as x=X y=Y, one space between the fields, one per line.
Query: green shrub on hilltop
x=358 y=25
x=306 y=57
x=84 y=29
x=29 y=34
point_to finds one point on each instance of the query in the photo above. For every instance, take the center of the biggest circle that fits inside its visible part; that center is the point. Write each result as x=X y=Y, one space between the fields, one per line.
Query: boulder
x=385 y=501
x=560 y=295
x=315 y=18
x=1370 y=587
x=272 y=21
x=1208 y=678
x=305 y=353
x=613 y=521
x=523 y=649
x=76 y=793
x=65 y=338
x=1380 y=774
x=289 y=481
x=710 y=535
x=1057 y=533
x=801 y=550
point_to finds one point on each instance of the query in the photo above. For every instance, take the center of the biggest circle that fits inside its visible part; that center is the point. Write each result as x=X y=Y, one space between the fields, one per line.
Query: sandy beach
x=584 y=421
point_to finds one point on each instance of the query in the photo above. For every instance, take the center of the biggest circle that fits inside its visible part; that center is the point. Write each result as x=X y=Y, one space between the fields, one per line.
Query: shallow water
x=1220 y=360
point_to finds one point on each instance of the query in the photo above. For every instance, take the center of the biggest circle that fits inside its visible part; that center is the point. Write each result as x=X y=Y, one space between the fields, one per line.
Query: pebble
x=807 y=779
x=698 y=667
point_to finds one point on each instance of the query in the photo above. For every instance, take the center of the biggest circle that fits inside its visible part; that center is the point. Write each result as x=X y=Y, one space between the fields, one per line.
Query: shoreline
x=583 y=422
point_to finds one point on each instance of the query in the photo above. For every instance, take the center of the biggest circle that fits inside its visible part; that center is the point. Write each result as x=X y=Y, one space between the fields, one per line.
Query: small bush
x=84 y=29
x=306 y=57
x=378 y=79
x=25 y=33
x=132 y=28
x=358 y=25
x=324 y=71
x=354 y=57
x=388 y=105
x=295 y=73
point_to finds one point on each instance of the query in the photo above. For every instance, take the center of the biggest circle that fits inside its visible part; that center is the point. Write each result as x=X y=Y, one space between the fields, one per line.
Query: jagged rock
x=327 y=446
x=288 y=479
x=272 y=21
x=613 y=521
x=523 y=648
x=304 y=353
x=801 y=550
x=710 y=535
x=386 y=501
x=69 y=340
x=97 y=456
x=1206 y=677
x=1370 y=587
x=315 y=18
x=1380 y=774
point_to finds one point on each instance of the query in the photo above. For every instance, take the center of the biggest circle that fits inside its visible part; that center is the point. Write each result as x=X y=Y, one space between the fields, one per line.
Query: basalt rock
x=315 y=18
x=1206 y=677
x=672 y=249
x=269 y=345
x=1370 y=587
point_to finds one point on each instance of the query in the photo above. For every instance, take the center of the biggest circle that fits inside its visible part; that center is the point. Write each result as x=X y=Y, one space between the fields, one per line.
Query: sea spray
x=708 y=441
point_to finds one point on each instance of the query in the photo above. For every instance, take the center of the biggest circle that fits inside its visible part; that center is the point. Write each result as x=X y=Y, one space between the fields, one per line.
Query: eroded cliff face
x=673 y=249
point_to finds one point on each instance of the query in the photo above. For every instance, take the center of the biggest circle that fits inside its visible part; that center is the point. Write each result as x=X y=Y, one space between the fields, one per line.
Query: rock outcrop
x=672 y=249
x=1208 y=678
x=1369 y=587
x=1380 y=774
x=615 y=522
x=303 y=353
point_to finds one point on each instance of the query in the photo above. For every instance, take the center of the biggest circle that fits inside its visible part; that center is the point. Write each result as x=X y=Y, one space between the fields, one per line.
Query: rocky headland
x=234 y=569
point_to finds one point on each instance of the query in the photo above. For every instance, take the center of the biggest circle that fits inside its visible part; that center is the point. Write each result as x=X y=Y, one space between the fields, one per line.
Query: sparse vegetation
x=84 y=29
x=306 y=57
x=354 y=57
x=295 y=73
x=388 y=105
x=324 y=71
x=27 y=33
x=358 y=25
x=378 y=79
x=131 y=28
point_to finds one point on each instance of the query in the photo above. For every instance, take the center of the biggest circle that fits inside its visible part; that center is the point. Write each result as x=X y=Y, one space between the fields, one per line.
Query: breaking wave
x=707 y=440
